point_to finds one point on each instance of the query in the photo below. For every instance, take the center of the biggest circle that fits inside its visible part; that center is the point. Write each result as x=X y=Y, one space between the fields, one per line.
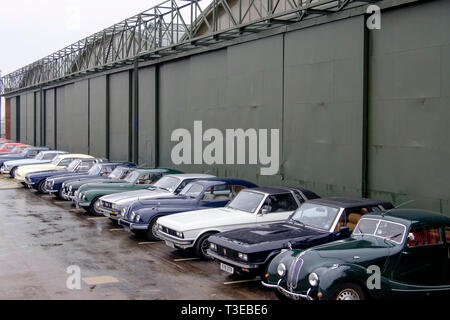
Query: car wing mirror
x=265 y=210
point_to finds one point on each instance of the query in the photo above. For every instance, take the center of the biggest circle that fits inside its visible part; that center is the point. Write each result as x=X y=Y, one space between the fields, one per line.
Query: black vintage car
x=316 y=222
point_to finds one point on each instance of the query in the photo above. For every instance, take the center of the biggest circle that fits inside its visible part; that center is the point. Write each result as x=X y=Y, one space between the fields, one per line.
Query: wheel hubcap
x=154 y=230
x=348 y=294
x=205 y=246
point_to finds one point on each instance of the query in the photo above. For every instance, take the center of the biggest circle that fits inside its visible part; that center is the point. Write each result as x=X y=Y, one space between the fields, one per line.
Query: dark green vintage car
x=396 y=254
x=88 y=195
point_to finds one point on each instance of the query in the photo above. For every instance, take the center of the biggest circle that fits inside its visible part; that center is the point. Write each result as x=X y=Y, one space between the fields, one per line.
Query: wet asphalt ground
x=40 y=237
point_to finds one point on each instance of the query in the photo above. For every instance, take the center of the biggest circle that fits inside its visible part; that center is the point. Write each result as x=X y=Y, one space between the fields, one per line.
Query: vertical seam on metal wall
x=130 y=115
x=89 y=114
x=157 y=107
x=136 y=113
x=283 y=102
x=365 y=133
x=107 y=117
x=55 y=119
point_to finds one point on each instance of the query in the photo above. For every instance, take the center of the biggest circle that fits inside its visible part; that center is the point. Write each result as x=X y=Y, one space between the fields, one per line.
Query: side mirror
x=265 y=210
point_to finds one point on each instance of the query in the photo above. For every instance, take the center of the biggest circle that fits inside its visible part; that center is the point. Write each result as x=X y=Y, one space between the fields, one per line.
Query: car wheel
x=12 y=173
x=152 y=234
x=60 y=194
x=92 y=207
x=41 y=187
x=201 y=246
x=350 y=291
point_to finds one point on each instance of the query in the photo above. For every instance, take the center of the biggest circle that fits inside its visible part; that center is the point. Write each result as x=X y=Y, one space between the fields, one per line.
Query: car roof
x=191 y=176
x=76 y=155
x=53 y=151
x=221 y=181
x=348 y=202
x=413 y=216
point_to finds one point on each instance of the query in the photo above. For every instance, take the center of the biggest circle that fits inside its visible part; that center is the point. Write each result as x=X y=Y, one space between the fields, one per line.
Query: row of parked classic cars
x=301 y=245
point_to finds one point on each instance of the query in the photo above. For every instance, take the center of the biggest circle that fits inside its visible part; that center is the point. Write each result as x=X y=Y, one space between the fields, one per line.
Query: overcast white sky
x=33 y=29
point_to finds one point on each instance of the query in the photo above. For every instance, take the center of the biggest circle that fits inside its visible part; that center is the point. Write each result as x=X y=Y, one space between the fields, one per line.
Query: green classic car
x=88 y=195
x=395 y=254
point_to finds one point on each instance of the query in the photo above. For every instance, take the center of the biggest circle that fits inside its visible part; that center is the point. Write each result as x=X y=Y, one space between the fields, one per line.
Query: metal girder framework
x=171 y=27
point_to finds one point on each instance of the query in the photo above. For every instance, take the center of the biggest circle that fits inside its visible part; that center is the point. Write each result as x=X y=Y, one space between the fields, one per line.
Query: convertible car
x=10 y=166
x=118 y=175
x=250 y=250
x=27 y=153
x=37 y=180
x=112 y=205
x=58 y=163
x=12 y=147
x=53 y=184
x=257 y=206
x=141 y=216
x=394 y=254
x=88 y=196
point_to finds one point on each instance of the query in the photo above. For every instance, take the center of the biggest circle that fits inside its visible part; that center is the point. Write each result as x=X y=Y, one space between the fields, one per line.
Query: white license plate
x=127 y=228
x=226 y=268
x=170 y=244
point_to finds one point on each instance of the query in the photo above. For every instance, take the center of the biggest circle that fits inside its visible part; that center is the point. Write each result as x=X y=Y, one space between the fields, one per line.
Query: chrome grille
x=294 y=272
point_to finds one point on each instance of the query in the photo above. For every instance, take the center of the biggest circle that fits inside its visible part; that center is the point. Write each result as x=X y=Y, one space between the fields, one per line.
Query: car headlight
x=138 y=218
x=213 y=247
x=160 y=227
x=123 y=212
x=133 y=215
x=281 y=270
x=114 y=206
x=313 y=279
x=180 y=234
x=70 y=188
x=243 y=256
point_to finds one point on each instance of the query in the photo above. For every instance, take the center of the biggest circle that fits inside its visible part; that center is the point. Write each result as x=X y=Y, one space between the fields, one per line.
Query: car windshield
x=116 y=174
x=315 y=215
x=56 y=160
x=380 y=228
x=49 y=156
x=95 y=170
x=192 y=190
x=167 y=183
x=73 y=165
x=17 y=149
x=39 y=156
x=247 y=201
x=132 y=176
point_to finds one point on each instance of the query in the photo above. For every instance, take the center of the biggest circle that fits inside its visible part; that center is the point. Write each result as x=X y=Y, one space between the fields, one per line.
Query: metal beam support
x=365 y=113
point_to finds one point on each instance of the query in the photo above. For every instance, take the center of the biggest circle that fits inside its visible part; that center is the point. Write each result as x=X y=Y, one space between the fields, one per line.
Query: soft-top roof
x=349 y=202
x=221 y=181
x=270 y=190
x=191 y=176
x=414 y=216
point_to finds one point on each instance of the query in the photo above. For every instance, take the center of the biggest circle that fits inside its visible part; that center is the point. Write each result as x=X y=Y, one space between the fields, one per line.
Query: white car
x=58 y=163
x=250 y=207
x=9 y=167
x=112 y=205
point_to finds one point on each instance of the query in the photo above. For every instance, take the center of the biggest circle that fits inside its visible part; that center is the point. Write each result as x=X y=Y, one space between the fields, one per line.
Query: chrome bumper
x=179 y=243
x=287 y=293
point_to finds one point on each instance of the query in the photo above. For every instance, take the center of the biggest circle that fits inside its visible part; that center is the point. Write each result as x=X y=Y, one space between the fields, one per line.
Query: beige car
x=59 y=163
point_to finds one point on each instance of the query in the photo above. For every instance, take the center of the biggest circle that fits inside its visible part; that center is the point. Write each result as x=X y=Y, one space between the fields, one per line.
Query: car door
x=423 y=260
x=276 y=208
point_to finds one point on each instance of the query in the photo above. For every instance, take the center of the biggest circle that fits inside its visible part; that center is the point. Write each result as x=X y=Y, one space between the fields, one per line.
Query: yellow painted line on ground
x=186 y=259
x=100 y=280
x=144 y=243
x=240 y=281
x=59 y=202
x=115 y=230
x=99 y=218
x=11 y=188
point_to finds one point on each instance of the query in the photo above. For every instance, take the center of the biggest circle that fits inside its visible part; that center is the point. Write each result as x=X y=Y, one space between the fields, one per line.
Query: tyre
x=202 y=245
x=92 y=206
x=151 y=234
x=350 y=291
x=41 y=187
x=59 y=195
x=12 y=173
